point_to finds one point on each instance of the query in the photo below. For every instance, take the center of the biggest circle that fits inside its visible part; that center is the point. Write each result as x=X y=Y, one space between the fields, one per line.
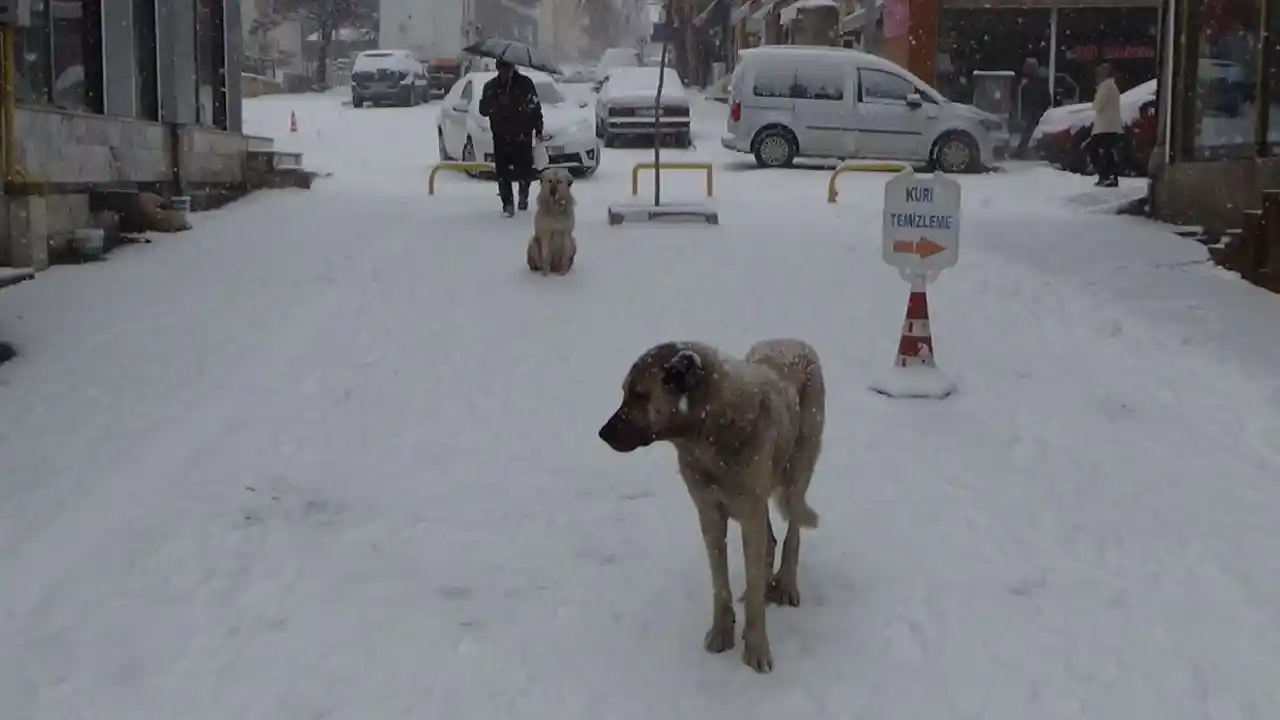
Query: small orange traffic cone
x=293 y=121
x=915 y=372
x=915 y=348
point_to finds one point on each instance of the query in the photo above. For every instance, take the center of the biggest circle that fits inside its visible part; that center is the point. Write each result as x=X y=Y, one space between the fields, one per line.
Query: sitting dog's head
x=655 y=397
x=556 y=188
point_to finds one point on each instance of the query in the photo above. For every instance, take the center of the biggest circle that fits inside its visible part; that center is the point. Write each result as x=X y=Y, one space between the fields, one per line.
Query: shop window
x=60 y=55
x=147 y=86
x=33 y=58
x=211 y=63
x=76 y=31
x=1226 y=103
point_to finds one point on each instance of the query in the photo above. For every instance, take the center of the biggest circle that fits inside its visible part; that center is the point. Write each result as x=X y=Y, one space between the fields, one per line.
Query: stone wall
x=212 y=157
x=64 y=148
x=63 y=155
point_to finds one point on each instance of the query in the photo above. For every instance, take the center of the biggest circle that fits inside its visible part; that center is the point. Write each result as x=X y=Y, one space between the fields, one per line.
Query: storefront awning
x=1027 y=4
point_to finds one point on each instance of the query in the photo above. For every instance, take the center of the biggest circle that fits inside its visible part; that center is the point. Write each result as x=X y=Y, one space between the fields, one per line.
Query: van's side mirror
x=914 y=100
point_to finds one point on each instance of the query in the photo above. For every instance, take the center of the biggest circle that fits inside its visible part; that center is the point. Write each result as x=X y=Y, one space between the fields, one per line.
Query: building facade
x=129 y=94
x=1219 y=111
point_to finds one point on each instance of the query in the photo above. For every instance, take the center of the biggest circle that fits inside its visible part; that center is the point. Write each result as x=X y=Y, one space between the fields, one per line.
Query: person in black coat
x=510 y=101
x=1035 y=100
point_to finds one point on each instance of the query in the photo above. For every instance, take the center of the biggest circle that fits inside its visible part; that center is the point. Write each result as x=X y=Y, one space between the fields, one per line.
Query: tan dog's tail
x=804 y=456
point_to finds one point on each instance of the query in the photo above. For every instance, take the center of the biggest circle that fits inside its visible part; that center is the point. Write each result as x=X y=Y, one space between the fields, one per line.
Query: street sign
x=921 y=224
x=15 y=12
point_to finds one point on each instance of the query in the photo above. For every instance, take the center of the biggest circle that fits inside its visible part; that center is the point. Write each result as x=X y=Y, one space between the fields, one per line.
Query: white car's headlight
x=991 y=124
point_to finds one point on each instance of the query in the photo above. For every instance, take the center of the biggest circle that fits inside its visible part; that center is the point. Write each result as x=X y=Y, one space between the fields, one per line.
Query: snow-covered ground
x=333 y=454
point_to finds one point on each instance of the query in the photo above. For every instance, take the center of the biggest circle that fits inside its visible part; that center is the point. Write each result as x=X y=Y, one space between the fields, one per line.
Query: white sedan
x=570 y=140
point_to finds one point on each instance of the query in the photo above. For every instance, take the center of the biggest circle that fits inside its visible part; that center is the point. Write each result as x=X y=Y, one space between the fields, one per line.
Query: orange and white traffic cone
x=293 y=121
x=915 y=371
x=915 y=347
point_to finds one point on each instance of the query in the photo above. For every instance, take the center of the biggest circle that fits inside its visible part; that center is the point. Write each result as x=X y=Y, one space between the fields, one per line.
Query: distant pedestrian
x=510 y=101
x=1033 y=100
x=1108 y=128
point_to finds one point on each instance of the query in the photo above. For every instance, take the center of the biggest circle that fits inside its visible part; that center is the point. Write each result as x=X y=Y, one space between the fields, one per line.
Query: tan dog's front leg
x=755 y=545
x=714 y=519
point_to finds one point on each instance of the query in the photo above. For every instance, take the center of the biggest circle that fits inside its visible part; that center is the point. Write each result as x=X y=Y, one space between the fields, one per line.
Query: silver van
x=790 y=101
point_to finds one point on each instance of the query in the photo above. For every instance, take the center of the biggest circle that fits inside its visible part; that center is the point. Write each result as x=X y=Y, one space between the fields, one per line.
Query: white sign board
x=921 y=224
x=15 y=12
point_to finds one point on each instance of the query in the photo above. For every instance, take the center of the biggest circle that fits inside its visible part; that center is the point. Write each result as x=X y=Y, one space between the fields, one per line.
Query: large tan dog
x=151 y=213
x=744 y=431
x=552 y=247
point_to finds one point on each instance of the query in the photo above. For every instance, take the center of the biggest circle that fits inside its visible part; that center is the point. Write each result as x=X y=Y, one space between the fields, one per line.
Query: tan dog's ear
x=684 y=372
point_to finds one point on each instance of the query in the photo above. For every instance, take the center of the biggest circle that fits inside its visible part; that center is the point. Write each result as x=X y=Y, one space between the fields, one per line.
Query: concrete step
x=13 y=276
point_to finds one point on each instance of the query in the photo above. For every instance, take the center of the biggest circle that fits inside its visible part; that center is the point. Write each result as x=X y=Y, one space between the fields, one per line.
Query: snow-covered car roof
x=540 y=80
x=634 y=83
x=1074 y=117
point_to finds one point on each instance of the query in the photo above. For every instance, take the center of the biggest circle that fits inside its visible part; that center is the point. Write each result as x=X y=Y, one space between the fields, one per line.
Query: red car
x=1062 y=133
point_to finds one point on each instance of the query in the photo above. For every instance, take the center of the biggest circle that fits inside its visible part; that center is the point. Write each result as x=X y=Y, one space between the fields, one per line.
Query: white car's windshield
x=549 y=94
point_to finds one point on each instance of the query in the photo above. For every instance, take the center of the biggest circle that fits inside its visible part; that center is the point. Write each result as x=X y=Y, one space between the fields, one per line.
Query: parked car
x=442 y=74
x=615 y=58
x=570 y=137
x=1063 y=132
x=790 y=101
x=383 y=77
x=571 y=73
x=625 y=106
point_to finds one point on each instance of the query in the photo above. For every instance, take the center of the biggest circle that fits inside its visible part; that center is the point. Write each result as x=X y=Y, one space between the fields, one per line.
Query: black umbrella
x=514 y=52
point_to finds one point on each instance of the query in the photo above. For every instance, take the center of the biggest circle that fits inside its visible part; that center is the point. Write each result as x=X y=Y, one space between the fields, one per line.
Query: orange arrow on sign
x=924 y=247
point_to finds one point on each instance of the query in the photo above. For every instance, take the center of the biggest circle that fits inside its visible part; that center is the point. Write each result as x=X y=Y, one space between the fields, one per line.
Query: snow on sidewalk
x=333 y=454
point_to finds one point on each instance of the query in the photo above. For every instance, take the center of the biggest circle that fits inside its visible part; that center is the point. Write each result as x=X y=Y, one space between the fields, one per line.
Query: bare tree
x=329 y=16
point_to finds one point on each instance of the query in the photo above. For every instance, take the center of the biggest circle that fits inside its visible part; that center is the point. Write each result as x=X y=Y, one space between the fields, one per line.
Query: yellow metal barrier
x=860 y=166
x=658 y=167
x=462 y=167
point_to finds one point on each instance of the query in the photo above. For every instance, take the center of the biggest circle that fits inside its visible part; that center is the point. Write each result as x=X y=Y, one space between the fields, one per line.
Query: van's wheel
x=775 y=147
x=956 y=152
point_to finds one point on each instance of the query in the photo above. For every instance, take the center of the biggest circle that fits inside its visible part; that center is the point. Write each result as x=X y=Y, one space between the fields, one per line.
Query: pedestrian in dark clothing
x=510 y=101
x=1034 y=100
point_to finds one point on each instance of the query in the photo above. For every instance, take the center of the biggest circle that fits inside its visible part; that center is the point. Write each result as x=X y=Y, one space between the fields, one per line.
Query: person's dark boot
x=1111 y=182
x=524 y=196
x=504 y=192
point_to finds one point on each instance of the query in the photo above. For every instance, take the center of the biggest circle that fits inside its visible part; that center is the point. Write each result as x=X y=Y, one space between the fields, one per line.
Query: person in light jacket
x=1108 y=128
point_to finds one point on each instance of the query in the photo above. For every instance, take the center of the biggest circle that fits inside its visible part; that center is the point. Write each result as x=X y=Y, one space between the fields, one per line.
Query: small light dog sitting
x=552 y=247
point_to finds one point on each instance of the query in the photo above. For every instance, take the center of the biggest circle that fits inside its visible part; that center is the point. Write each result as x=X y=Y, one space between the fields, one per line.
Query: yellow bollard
x=659 y=167
x=861 y=166
x=462 y=167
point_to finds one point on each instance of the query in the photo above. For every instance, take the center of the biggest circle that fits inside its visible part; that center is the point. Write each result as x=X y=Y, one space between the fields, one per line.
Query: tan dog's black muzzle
x=622 y=434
